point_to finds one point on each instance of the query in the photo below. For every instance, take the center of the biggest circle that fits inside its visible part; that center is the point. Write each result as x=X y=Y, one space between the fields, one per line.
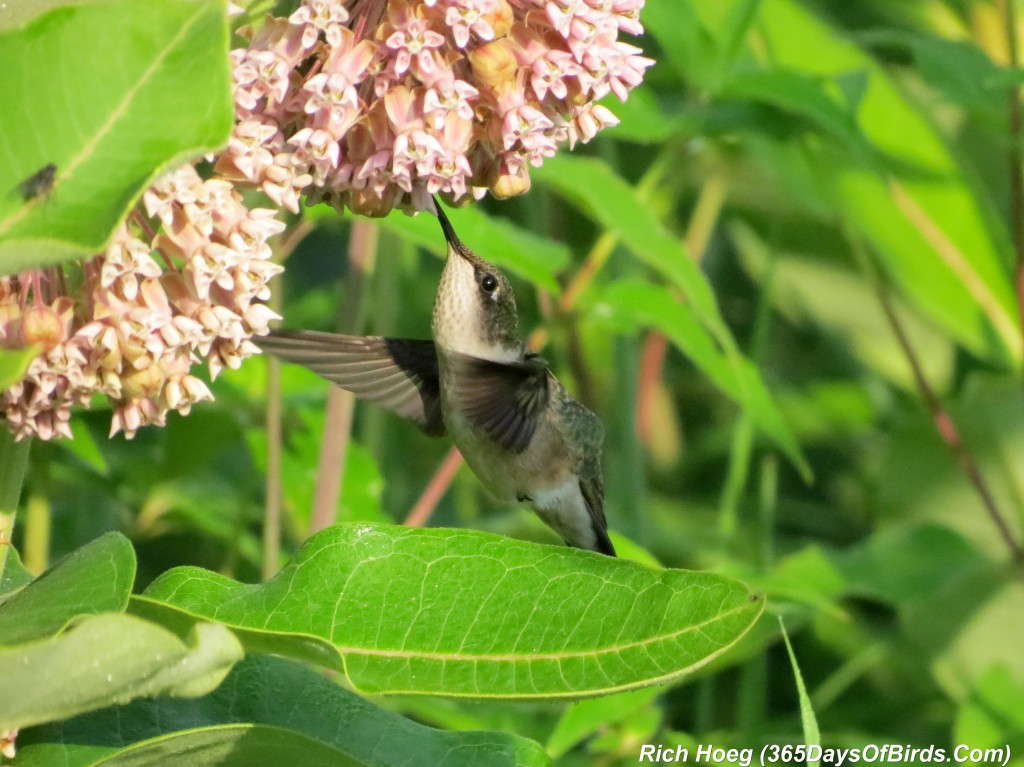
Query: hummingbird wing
x=505 y=400
x=398 y=374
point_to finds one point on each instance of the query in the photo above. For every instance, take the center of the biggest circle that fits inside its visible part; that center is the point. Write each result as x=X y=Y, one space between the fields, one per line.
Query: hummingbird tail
x=604 y=543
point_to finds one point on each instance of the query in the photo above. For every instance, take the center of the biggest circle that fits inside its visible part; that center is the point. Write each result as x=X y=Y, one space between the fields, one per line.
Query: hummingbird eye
x=489 y=283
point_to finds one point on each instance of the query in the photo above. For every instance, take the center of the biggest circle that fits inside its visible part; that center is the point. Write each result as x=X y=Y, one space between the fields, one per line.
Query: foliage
x=786 y=166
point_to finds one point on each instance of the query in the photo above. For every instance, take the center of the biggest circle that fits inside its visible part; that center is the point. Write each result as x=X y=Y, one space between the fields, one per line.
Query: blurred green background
x=818 y=161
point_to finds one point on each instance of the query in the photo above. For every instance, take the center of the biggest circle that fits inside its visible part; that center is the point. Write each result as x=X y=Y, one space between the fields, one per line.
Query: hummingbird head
x=475 y=309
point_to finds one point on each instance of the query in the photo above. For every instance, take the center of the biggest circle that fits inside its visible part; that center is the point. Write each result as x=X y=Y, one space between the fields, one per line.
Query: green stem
x=362 y=253
x=38 y=518
x=13 y=462
x=944 y=424
x=275 y=440
x=768 y=501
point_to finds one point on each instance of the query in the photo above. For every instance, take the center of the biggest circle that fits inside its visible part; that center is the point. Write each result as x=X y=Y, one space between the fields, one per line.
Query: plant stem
x=13 y=462
x=435 y=489
x=944 y=423
x=362 y=252
x=273 y=489
x=768 y=501
x=38 y=518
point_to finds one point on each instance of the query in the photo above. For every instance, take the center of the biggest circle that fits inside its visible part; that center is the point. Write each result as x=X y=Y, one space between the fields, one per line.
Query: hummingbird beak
x=454 y=243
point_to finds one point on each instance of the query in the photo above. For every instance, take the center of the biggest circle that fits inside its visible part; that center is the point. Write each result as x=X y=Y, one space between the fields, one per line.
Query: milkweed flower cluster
x=140 y=315
x=364 y=104
x=376 y=104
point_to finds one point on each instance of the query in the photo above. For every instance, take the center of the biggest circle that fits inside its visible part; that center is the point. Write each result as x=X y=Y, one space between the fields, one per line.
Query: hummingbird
x=518 y=429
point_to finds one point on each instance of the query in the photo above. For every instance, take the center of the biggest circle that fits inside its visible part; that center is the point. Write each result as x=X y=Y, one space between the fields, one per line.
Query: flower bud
x=500 y=19
x=493 y=63
x=143 y=384
x=367 y=203
x=505 y=184
x=41 y=325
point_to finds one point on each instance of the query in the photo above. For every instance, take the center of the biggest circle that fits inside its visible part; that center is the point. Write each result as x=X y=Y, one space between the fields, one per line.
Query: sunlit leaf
x=591 y=716
x=108 y=123
x=463 y=613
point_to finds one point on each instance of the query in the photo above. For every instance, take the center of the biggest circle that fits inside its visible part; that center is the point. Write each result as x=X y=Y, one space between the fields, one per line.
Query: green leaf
x=967 y=627
x=588 y=717
x=599 y=192
x=83 y=446
x=993 y=715
x=15 y=576
x=908 y=564
x=961 y=71
x=464 y=613
x=641 y=119
x=109 y=123
x=812 y=736
x=106 y=659
x=14 y=364
x=266 y=704
x=629 y=305
x=96 y=578
x=802 y=95
x=806 y=576
x=688 y=46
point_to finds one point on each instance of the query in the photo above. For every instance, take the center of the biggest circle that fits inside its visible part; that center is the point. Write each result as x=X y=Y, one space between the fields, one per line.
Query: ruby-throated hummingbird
x=515 y=424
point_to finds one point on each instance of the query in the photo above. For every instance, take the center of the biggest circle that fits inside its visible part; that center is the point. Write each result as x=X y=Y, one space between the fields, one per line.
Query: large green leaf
x=96 y=578
x=111 y=93
x=268 y=711
x=464 y=613
x=106 y=659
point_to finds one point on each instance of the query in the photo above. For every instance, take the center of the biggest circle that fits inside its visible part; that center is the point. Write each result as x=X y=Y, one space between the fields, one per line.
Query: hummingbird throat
x=468 y=321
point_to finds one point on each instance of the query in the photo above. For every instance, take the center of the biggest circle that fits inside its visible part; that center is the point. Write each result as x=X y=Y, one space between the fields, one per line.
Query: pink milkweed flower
x=384 y=79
